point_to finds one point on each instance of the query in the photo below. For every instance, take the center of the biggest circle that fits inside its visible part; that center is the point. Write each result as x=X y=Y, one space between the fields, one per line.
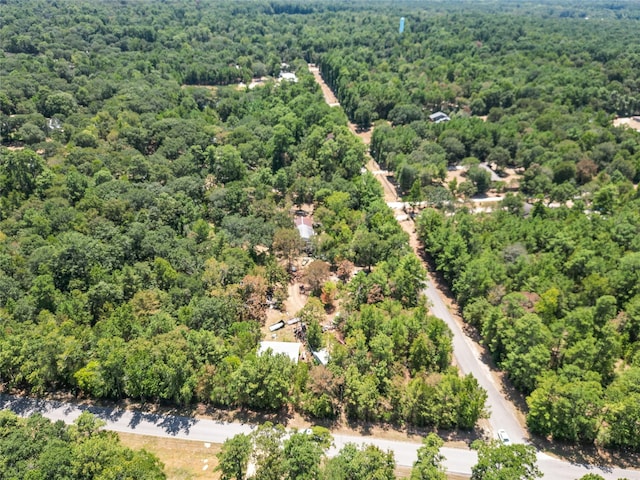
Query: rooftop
x=304 y=226
x=321 y=356
x=290 y=349
x=289 y=76
x=439 y=117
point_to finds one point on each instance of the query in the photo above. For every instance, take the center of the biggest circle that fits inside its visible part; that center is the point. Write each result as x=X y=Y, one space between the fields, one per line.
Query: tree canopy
x=37 y=448
x=152 y=157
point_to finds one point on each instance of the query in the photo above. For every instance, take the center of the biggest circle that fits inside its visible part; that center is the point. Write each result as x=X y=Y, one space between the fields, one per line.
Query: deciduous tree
x=505 y=462
x=429 y=464
x=234 y=456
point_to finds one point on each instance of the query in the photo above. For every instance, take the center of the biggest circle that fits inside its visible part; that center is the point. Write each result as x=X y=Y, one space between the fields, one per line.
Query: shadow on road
x=453 y=436
x=104 y=413
x=588 y=456
x=171 y=424
x=175 y=425
x=282 y=417
x=25 y=406
x=168 y=421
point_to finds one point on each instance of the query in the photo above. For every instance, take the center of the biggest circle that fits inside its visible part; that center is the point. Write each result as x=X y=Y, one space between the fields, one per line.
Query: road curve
x=468 y=358
x=466 y=353
x=206 y=430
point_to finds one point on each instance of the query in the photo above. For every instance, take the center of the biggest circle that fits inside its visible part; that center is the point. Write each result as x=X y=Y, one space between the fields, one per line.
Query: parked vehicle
x=276 y=326
x=504 y=437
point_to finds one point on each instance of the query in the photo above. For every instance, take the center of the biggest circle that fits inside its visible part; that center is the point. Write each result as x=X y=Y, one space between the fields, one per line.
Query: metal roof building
x=321 y=356
x=305 y=227
x=439 y=117
x=290 y=349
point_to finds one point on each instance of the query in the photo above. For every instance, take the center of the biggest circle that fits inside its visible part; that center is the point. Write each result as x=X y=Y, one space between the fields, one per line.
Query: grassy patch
x=183 y=459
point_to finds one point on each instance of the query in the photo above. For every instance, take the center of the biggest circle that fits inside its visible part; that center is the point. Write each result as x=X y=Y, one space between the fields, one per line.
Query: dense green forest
x=146 y=204
x=35 y=448
x=556 y=297
x=146 y=221
x=302 y=455
x=548 y=79
x=553 y=291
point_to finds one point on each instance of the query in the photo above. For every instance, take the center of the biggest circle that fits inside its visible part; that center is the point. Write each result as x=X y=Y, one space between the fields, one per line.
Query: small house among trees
x=289 y=77
x=439 y=117
x=321 y=356
x=290 y=349
x=305 y=227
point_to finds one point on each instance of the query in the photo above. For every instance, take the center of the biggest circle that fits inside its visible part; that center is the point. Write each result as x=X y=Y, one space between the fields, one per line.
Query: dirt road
x=468 y=355
x=296 y=300
x=329 y=97
x=390 y=193
x=212 y=431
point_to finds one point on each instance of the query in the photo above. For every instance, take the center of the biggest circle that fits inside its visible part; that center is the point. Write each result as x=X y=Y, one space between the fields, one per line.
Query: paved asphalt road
x=502 y=413
x=457 y=460
x=468 y=358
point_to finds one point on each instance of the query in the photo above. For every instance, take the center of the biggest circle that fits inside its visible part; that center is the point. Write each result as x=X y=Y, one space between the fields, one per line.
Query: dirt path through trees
x=329 y=96
x=390 y=192
x=504 y=413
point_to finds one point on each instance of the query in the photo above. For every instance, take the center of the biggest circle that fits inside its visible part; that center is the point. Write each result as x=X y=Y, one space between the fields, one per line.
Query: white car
x=504 y=438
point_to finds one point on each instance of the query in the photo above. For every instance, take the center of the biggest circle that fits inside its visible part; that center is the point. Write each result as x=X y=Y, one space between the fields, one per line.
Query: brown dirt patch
x=364 y=135
x=457 y=174
x=296 y=300
x=403 y=472
x=511 y=180
x=631 y=122
x=329 y=96
x=183 y=459
x=292 y=305
x=390 y=192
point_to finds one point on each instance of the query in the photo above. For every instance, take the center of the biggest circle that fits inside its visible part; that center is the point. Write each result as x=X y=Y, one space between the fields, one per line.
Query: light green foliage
x=314 y=335
x=30 y=134
x=268 y=453
x=263 y=381
x=275 y=453
x=225 y=163
x=23 y=171
x=505 y=462
x=234 y=457
x=303 y=454
x=36 y=448
x=430 y=401
x=353 y=463
x=480 y=178
x=566 y=406
x=622 y=413
x=426 y=398
x=429 y=464
x=408 y=281
x=89 y=379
